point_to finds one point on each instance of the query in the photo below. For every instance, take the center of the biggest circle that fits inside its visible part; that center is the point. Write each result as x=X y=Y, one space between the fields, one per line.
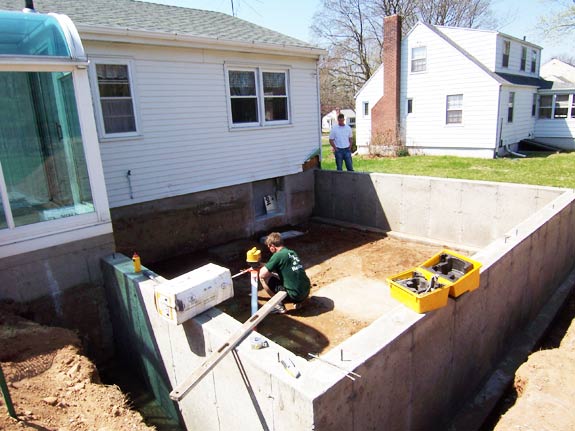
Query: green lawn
x=548 y=169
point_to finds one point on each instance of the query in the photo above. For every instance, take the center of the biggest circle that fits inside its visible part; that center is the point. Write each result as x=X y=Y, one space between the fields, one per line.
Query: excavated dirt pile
x=53 y=386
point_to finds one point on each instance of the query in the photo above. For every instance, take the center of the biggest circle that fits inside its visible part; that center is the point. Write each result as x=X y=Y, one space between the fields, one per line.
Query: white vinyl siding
x=519 y=100
x=449 y=73
x=370 y=93
x=186 y=144
x=482 y=44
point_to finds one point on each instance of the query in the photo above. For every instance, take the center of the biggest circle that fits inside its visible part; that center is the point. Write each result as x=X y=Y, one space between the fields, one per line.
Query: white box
x=190 y=294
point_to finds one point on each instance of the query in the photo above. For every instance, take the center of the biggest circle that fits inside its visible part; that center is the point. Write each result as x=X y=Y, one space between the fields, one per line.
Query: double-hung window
x=115 y=111
x=533 y=60
x=258 y=97
x=506 y=51
x=545 y=106
x=419 y=59
x=561 y=106
x=523 y=57
x=454 y=114
x=510 y=106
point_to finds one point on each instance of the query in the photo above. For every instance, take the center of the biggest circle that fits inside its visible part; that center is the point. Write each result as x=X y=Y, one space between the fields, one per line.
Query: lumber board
x=188 y=384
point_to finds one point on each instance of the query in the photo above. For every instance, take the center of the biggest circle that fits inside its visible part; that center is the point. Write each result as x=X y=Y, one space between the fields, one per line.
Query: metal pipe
x=6 y=395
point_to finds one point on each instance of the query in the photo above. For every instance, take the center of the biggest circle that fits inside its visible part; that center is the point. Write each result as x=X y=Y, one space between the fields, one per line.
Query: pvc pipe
x=254 y=282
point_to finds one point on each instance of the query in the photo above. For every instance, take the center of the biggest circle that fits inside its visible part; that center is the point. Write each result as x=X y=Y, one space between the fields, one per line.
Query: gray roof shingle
x=139 y=15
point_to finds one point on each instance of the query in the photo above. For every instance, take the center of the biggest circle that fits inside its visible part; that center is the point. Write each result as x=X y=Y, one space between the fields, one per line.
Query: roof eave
x=128 y=35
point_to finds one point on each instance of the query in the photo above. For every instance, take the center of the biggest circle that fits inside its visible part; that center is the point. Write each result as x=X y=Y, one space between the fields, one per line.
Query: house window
x=545 y=106
x=409 y=106
x=561 y=106
x=117 y=115
x=258 y=97
x=365 y=109
x=523 y=57
x=275 y=96
x=573 y=105
x=506 y=50
x=510 y=105
x=43 y=175
x=419 y=59
x=454 y=109
x=533 y=61
x=534 y=105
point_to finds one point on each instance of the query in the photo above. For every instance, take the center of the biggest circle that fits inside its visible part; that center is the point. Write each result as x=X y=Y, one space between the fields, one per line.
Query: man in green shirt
x=284 y=271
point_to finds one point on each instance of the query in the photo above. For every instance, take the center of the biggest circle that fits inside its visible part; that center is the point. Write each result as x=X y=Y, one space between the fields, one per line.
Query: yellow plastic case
x=459 y=284
x=420 y=303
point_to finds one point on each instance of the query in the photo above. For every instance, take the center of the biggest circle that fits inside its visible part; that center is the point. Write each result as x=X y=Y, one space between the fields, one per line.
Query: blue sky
x=294 y=17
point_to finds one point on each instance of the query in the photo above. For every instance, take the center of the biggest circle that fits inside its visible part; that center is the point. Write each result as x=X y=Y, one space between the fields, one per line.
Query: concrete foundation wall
x=416 y=370
x=63 y=286
x=174 y=226
x=461 y=212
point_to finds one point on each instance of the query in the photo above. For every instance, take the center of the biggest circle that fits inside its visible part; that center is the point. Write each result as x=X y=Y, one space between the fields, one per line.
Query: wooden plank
x=188 y=384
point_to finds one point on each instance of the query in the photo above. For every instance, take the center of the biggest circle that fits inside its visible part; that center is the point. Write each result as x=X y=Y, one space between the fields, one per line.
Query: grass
x=539 y=168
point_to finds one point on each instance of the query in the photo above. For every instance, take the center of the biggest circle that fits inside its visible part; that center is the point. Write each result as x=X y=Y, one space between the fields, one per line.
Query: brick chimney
x=385 y=113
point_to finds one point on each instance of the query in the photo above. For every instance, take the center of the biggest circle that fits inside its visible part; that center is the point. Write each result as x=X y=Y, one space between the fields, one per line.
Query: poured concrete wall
x=182 y=224
x=461 y=212
x=416 y=370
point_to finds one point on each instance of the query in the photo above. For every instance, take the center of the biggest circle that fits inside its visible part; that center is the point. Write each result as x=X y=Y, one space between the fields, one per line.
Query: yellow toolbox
x=419 y=290
x=457 y=270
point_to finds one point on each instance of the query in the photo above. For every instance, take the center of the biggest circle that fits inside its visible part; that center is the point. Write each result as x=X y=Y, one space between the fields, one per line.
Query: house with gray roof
x=202 y=119
x=458 y=91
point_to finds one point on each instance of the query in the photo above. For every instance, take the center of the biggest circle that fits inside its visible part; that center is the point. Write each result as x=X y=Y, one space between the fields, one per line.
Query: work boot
x=278 y=309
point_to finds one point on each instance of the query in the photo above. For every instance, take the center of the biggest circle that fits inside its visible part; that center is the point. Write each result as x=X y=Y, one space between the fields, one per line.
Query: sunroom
x=52 y=186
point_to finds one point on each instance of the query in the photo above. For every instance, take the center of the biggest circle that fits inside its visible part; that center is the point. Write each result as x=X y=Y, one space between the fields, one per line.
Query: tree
x=351 y=31
x=560 y=21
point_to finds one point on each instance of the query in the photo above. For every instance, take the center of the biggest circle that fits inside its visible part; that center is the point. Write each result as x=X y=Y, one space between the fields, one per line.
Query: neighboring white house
x=462 y=92
x=200 y=115
x=329 y=119
x=556 y=116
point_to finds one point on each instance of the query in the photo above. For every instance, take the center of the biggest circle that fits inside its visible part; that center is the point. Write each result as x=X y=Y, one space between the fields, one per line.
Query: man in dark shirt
x=284 y=271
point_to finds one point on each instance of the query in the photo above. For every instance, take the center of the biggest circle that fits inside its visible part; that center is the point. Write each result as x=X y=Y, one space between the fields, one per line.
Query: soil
x=55 y=387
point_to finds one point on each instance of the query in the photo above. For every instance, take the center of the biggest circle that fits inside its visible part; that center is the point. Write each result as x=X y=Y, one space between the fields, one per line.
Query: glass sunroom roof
x=35 y=34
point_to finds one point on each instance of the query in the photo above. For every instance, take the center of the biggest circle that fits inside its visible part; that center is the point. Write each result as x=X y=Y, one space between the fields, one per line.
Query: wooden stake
x=188 y=384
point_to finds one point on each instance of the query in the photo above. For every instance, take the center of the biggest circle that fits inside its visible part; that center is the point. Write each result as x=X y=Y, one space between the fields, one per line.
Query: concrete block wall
x=466 y=213
x=63 y=286
x=183 y=224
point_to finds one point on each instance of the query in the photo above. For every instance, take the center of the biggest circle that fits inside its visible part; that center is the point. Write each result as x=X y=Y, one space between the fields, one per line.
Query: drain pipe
x=513 y=153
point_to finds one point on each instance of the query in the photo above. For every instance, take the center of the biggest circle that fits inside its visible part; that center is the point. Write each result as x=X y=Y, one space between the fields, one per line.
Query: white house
x=329 y=119
x=555 y=124
x=200 y=116
x=461 y=91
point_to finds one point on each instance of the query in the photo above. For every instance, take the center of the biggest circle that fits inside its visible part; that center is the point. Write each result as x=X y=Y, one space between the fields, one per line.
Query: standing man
x=340 y=141
x=284 y=272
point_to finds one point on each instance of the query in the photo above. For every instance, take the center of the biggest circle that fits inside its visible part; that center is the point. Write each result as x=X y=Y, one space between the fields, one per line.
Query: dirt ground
x=55 y=388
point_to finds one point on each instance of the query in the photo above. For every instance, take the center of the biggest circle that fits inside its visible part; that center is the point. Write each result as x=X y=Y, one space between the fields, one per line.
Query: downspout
x=499 y=126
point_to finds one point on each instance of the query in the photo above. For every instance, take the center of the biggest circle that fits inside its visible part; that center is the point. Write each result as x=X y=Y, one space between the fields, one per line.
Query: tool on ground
x=188 y=384
x=6 y=395
x=290 y=368
x=348 y=373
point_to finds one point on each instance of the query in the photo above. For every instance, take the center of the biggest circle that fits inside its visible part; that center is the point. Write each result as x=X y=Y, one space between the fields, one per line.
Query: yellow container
x=420 y=303
x=461 y=272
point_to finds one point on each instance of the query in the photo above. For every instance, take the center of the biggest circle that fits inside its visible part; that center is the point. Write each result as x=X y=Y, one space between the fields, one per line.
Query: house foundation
x=417 y=370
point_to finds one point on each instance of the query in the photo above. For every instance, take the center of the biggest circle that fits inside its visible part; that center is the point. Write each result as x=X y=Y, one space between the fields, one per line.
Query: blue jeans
x=341 y=155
